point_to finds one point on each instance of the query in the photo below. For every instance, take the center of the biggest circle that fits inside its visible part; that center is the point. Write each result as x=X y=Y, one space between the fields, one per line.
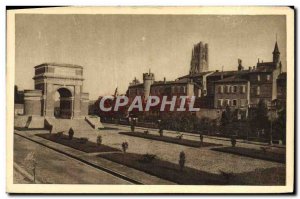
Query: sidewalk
x=193 y=136
x=121 y=171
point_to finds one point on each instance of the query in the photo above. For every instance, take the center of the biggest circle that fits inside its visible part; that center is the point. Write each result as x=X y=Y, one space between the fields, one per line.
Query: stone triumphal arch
x=58 y=92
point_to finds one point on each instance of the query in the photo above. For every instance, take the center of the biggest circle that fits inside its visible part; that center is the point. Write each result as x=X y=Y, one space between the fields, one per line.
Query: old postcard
x=150 y=100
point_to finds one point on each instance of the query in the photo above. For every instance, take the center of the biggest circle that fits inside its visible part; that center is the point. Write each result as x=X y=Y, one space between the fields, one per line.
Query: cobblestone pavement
x=53 y=167
x=198 y=158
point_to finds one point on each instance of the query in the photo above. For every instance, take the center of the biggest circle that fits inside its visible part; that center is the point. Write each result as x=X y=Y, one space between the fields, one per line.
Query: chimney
x=164 y=79
x=250 y=68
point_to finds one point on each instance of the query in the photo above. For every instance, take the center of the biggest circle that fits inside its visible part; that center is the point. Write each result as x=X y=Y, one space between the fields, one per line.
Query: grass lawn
x=253 y=153
x=267 y=176
x=165 y=170
x=185 y=142
x=189 y=176
x=76 y=143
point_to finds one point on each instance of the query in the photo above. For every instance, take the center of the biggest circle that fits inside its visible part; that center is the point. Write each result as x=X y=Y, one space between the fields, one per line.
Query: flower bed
x=174 y=140
x=165 y=170
x=80 y=144
x=254 y=153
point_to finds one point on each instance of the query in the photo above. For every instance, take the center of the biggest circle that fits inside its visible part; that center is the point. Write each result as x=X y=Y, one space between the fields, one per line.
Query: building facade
x=239 y=89
x=233 y=92
x=281 y=90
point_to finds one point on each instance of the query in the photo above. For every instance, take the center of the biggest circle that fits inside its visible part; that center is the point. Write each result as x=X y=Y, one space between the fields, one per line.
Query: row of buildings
x=240 y=89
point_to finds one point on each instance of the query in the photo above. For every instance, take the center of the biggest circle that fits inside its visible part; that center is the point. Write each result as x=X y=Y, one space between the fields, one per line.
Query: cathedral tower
x=199 y=60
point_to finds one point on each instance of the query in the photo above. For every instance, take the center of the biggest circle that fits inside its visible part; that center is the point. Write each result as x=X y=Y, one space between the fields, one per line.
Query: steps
x=20 y=121
x=94 y=122
x=32 y=122
x=63 y=125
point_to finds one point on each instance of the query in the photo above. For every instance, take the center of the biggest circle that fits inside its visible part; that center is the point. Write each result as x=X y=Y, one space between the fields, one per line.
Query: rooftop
x=59 y=65
x=235 y=78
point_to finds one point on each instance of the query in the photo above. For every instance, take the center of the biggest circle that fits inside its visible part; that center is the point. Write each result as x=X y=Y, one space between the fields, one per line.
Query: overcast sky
x=113 y=49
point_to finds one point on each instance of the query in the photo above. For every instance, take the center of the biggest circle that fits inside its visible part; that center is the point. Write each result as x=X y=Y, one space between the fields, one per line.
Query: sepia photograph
x=150 y=100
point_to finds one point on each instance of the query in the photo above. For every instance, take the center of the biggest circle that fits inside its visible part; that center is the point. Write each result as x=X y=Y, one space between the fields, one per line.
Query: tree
x=280 y=126
x=201 y=138
x=31 y=163
x=132 y=124
x=71 y=133
x=259 y=120
x=99 y=140
x=226 y=117
x=181 y=160
x=233 y=141
x=124 y=146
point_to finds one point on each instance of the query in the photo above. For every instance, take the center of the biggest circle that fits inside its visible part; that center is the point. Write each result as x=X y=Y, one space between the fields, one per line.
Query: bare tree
x=31 y=163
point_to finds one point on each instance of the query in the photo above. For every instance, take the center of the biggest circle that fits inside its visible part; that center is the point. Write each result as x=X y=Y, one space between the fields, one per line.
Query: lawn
x=189 y=176
x=77 y=143
x=174 y=140
x=254 y=153
x=165 y=170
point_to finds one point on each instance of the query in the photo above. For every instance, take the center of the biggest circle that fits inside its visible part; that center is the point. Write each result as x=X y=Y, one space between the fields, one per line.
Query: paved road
x=53 y=167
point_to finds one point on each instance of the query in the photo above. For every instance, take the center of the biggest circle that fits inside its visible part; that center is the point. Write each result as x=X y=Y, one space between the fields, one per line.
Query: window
x=227 y=89
x=227 y=102
x=243 y=102
x=234 y=102
x=268 y=77
x=183 y=89
x=243 y=89
x=258 y=77
x=220 y=102
x=234 y=89
x=258 y=90
x=221 y=89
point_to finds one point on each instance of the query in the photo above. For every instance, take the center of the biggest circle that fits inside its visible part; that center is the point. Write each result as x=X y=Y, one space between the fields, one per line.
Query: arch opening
x=63 y=103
